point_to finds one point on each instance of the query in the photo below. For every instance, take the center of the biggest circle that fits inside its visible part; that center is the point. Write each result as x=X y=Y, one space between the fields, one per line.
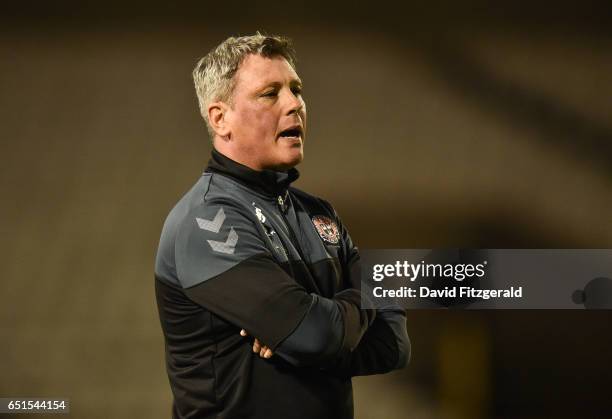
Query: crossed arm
x=250 y=290
x=376 y=341
x=383 y=347
x=305 y=330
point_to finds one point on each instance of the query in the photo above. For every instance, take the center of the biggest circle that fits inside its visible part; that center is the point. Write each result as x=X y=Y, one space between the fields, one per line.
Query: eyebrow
x=276 y=84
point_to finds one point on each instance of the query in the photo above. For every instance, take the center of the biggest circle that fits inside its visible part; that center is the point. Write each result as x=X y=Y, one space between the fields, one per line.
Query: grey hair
x=214 y=73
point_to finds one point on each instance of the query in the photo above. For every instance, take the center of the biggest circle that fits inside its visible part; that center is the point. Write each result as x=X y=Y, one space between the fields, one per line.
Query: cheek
x=256 y=123
x=303 y=112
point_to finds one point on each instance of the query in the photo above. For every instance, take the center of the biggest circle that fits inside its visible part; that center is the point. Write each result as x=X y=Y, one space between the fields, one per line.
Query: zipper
x=292 y=236
x=293 y=239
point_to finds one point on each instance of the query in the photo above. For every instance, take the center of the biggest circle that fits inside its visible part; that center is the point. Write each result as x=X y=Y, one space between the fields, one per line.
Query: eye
x=271 y=93
x=297 y=91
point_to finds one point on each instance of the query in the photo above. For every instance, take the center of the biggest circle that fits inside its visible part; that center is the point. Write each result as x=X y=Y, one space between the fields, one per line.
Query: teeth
x=290 y=133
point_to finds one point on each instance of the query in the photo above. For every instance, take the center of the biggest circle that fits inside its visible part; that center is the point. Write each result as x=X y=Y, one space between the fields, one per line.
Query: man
x=257 y=283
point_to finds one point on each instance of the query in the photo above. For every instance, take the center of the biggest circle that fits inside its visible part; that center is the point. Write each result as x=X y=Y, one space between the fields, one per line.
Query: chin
x=290 y=160
x=297 y=158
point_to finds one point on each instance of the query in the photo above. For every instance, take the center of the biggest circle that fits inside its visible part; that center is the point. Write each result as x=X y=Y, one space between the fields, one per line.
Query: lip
x=290 y=141
x=297 y=127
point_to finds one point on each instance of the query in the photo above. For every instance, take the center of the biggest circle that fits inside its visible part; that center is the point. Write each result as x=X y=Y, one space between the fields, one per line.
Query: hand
x=263 y=350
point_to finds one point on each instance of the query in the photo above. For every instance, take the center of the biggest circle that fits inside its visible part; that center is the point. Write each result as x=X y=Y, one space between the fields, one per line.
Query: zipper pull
x=281 y=204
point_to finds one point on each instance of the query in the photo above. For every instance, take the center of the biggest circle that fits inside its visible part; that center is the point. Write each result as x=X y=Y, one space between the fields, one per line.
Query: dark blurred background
x=431 y=124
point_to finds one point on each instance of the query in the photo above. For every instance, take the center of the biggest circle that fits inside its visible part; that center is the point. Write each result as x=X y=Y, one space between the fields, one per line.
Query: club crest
x=327 y=229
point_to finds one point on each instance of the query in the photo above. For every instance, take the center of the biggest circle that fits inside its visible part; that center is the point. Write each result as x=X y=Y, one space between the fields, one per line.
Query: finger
x=268 y=353
x=263 y=351
x=256 y=346
x=243 y=332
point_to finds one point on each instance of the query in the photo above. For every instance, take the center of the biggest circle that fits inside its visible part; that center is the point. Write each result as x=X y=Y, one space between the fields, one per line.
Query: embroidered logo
x=327 y=229
x=260 y=215
x=229 y=245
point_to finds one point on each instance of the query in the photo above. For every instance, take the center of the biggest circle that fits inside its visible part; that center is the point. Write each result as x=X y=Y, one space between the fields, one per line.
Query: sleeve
x=224 y=265
x=331 y=328
x=385 y=347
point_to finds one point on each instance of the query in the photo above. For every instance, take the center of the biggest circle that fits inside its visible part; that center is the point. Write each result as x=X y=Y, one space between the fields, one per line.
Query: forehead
x=257 y=71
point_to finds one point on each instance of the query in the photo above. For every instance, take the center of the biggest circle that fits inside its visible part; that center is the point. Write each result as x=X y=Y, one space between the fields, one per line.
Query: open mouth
x=291 y=133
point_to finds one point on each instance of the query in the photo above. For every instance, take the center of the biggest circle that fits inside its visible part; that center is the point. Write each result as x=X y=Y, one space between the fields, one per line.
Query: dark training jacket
x=243 y=249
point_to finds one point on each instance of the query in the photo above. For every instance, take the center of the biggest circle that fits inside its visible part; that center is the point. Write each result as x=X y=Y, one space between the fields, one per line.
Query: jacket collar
x=268 y=182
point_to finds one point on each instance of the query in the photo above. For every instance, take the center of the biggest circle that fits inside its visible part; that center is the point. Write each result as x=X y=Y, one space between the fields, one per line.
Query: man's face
x=267 y=119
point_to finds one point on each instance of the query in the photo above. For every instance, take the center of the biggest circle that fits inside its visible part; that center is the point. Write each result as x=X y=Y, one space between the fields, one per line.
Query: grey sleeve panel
x=330 y=328
x=165 y=263
x=213 y=238
x=318 y=337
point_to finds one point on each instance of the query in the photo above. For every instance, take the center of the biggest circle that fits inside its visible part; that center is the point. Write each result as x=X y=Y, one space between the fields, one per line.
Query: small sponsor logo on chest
x=260 y=216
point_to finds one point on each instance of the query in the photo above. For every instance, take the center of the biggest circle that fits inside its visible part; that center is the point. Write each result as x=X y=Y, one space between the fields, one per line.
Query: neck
x=242 y=157
x=268 y=182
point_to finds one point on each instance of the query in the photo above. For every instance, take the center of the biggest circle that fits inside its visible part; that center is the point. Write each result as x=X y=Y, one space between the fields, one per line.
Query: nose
x=295 y=103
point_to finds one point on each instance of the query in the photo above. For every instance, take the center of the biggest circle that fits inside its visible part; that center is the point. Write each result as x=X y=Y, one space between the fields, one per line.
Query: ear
x=217 y=117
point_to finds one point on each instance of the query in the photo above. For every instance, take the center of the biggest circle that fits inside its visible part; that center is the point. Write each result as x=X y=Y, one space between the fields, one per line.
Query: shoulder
x=215 y=232
x=220 y=219
x=209 y=194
